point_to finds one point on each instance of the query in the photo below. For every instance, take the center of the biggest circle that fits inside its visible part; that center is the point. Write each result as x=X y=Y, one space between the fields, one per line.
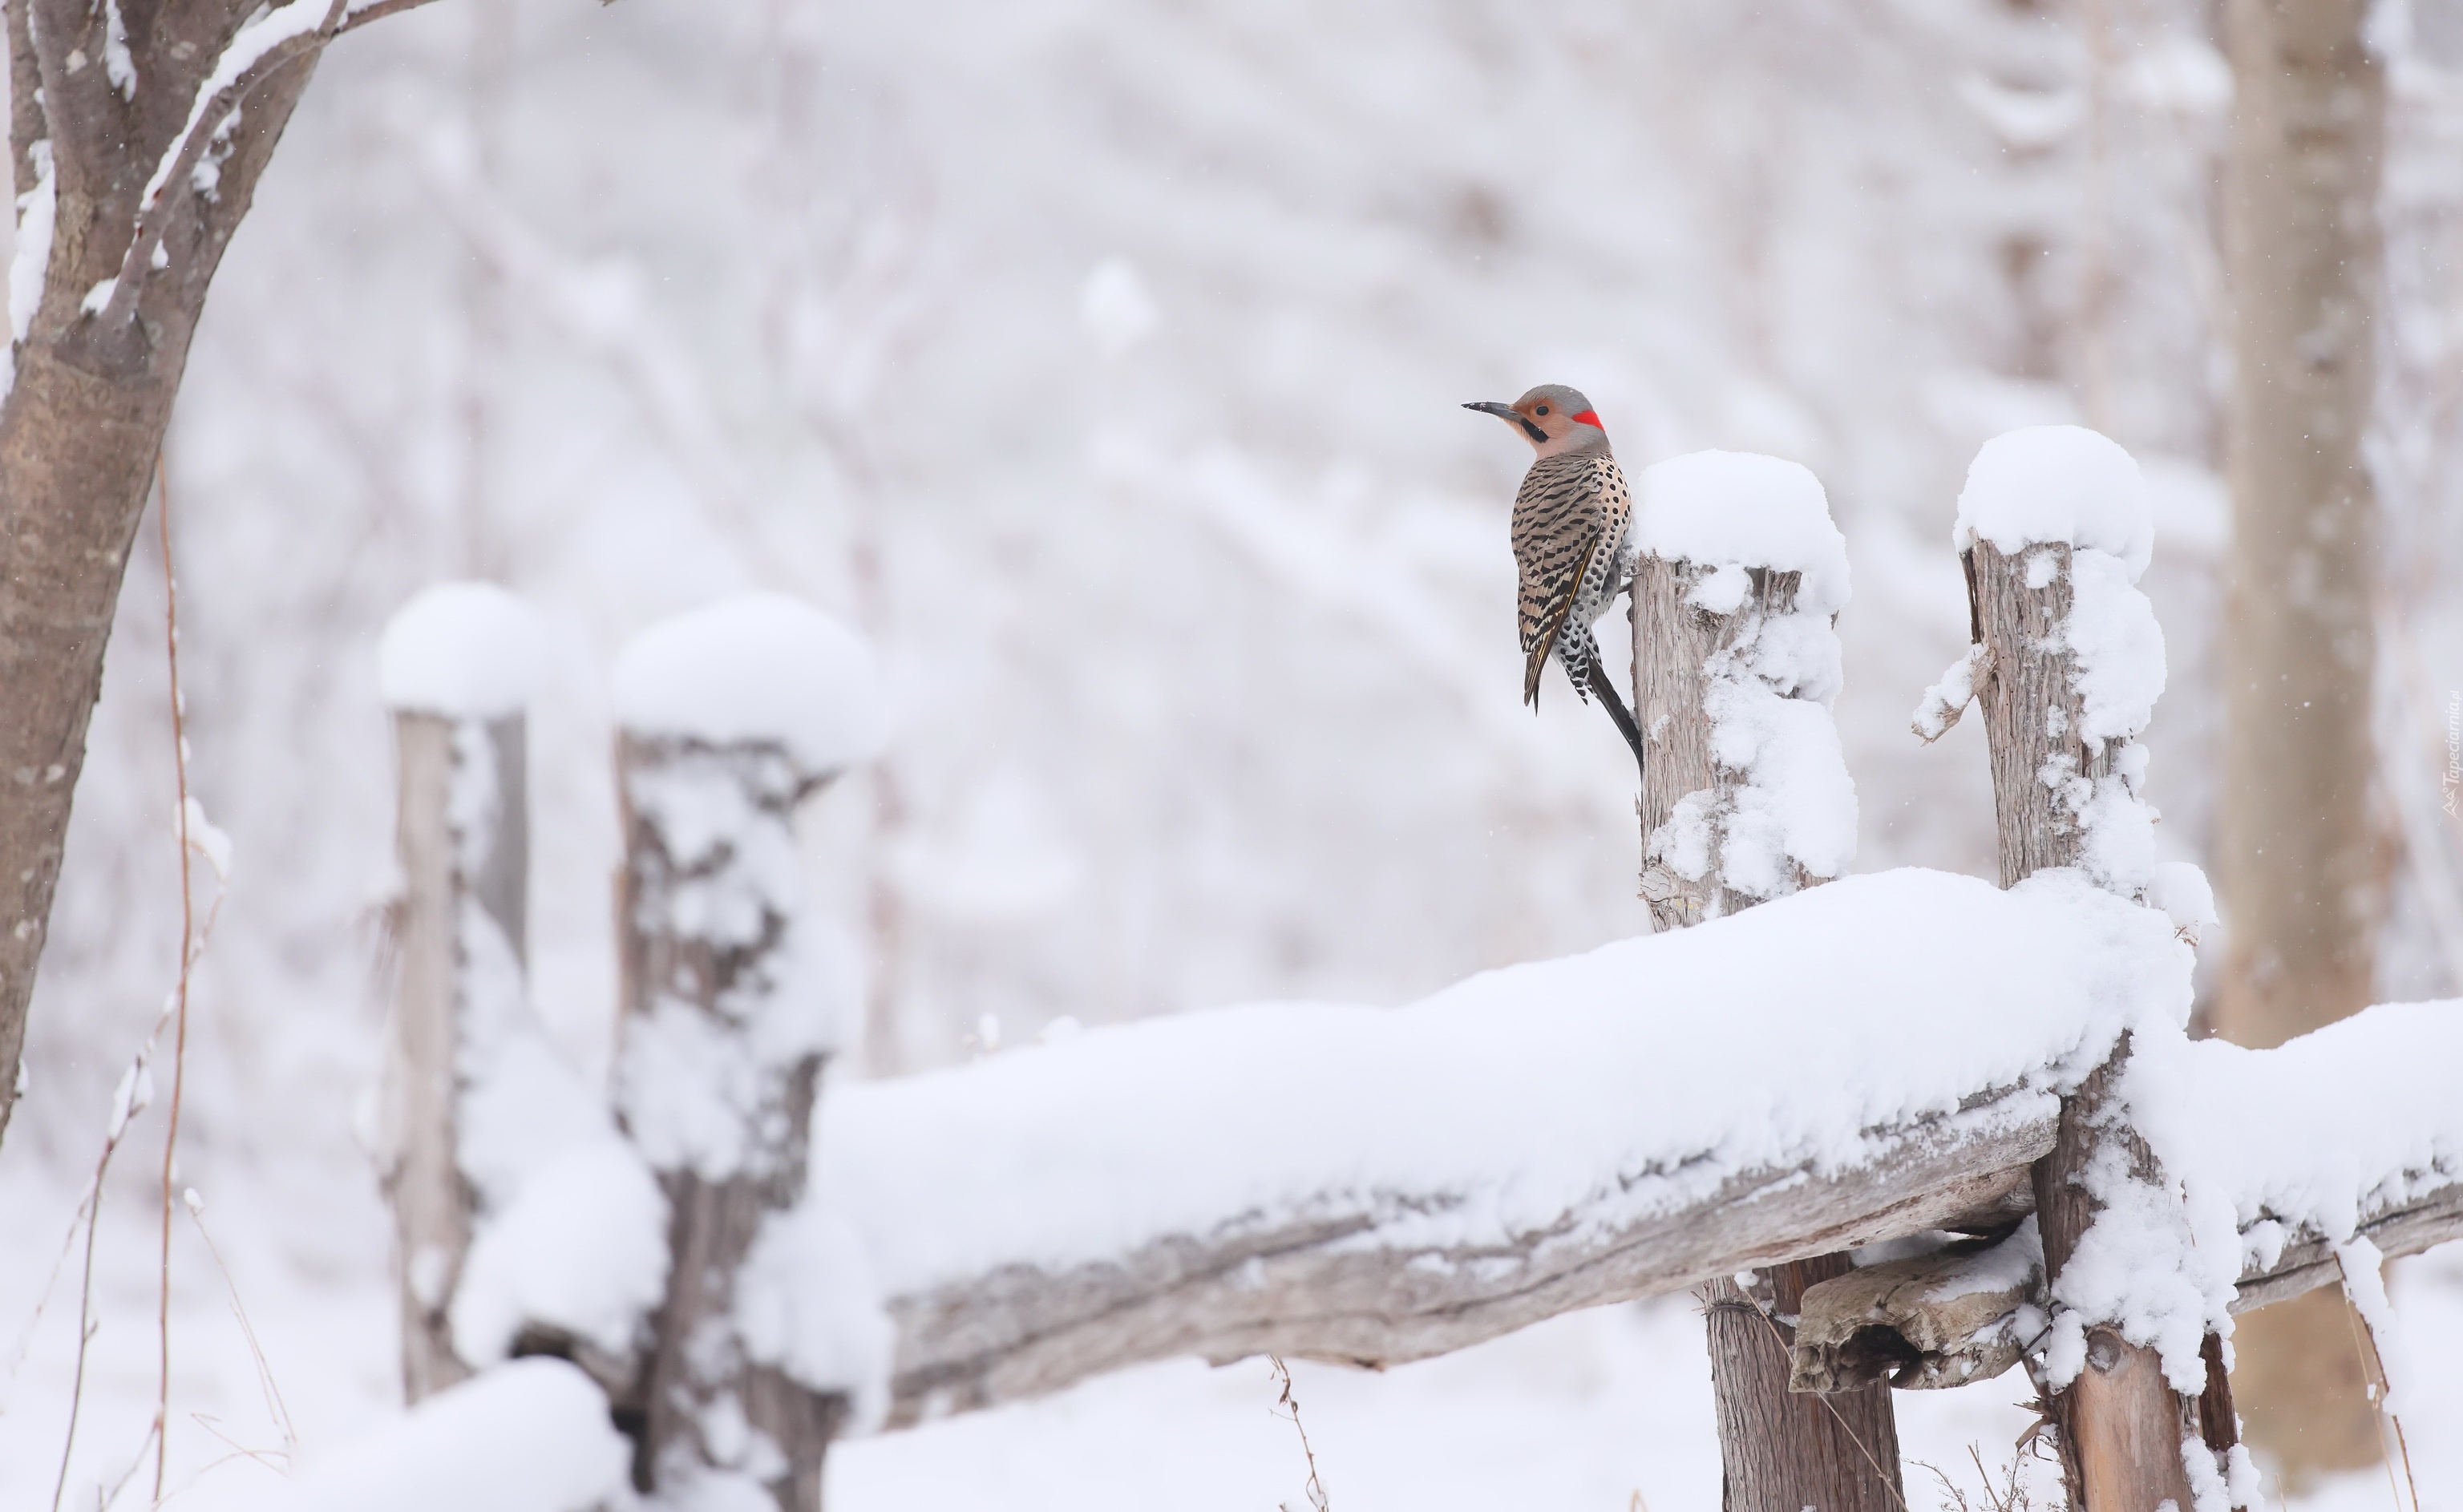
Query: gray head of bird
x=1553 y=418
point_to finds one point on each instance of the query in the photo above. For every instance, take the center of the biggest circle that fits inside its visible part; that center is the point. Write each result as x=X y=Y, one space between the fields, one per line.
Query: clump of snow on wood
x=569 y=1228
x=1946 y=699
x=271 y=29
x=2033 y=492
x=700 y=1087
x=530 y=1437
x=2354 y=1118
x=2048 y=484
x=2181 y=890
x=2363 y=1271
x=2257 y=1146
x=1609 y=1085
x=1735 y=508
x=1769 y=692
x=30 y=262
x=760 y=668
x=2139 y=1268
x=2111 y=631
x=467 y=651
x=806 y=1301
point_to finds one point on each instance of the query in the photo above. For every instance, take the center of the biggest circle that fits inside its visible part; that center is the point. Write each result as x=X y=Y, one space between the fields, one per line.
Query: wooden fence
x=707 y=918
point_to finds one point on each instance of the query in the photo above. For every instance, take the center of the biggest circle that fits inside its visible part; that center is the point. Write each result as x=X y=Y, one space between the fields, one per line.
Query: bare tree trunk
x=704 y=927
x=2119 y=1423
x=462 y=841
x=2297 y=857
x=142 y=193
x=1780 y=1451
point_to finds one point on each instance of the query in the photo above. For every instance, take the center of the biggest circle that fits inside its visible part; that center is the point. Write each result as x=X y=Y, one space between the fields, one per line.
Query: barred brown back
x=1569 y=526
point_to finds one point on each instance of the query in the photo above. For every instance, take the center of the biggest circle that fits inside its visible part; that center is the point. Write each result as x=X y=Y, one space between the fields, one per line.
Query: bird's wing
x=1540 y=638
x=1557 y=531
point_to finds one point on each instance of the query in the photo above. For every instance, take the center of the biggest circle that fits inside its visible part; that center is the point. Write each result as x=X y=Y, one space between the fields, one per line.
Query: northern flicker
x=1569 y=526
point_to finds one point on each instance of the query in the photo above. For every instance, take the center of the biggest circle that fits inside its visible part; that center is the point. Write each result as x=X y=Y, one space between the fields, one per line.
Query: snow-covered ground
x=1575 y=1415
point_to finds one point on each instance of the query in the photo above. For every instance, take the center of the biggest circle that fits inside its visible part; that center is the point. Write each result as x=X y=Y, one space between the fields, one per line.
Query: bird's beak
x=1508 y=414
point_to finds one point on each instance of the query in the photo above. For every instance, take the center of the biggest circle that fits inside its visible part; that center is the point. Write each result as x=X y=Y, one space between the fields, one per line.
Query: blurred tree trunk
x=2297 y=857
x=97 y=120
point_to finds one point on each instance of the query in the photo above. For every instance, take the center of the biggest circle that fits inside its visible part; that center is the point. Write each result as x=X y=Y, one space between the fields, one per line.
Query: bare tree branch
x=170 y=187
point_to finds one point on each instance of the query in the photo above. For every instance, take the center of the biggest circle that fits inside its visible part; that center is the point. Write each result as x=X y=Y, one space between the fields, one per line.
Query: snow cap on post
x=761 y=669
x=2057 y=483
x=465 y=650
x=1737 y=509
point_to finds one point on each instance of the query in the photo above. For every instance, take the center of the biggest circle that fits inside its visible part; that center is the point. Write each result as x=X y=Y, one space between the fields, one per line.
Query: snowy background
x=1100 y=361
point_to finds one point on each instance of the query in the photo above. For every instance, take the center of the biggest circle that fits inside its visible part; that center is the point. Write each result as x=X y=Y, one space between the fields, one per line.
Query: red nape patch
x=1589 y=417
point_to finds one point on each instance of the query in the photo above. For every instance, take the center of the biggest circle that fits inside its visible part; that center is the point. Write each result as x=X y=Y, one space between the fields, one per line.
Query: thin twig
x=85 y=1304
x=135 y=1463
x=274 y=1405
x=187 y=960
x=25 y=1343
x=2364 y=1341
x=1315 y=1489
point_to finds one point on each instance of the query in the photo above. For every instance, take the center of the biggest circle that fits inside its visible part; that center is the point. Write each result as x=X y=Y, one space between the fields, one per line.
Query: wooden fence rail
x=1328 y=1290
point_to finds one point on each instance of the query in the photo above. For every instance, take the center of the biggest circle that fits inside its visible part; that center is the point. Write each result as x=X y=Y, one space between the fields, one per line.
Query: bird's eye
x=1541 y=410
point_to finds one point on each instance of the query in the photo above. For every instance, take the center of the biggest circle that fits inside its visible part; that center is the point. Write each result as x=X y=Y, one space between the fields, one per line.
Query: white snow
x=116 y=62
x=2363 y=1270
x=2315 y=1132
x=30 y=263
x=760 y=668
x=699 y=1085
x=1797 y=806
x=1946 y=699
x=530 y=1437
x=205 y=838
x=1493 y=1108
x=2180 y=889
x=1735 y=508
x=569 y=1226
x=2031 y=492
x=581 y=1247
x=1769 y=694
x=466 y=650
x=2254 y=1145
x=2111 y=631
x=806 y=1301
x=2056 y=483
x=260 y=36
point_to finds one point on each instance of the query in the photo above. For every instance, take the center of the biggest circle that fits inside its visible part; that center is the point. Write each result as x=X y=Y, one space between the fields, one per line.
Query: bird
x=1570 y=519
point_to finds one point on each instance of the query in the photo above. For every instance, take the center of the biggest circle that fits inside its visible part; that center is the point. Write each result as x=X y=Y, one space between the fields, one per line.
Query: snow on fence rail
x=1870 y=1058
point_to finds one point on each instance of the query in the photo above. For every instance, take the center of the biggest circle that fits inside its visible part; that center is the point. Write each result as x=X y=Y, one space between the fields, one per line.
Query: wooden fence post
x=455 y=668
x=729 y=719
x=2064 y=794
x=1739 y=577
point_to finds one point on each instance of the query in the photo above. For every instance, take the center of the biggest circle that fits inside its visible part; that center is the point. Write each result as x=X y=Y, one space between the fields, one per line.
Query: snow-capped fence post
x=455 y=668
x=1746 y=797
x=728 y=717
x=2054 y=529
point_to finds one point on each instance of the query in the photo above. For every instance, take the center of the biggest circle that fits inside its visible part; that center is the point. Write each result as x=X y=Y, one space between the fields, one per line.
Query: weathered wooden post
x=2054 y=530
x=456 y=665
x=1746 y=797
x=728 y=717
